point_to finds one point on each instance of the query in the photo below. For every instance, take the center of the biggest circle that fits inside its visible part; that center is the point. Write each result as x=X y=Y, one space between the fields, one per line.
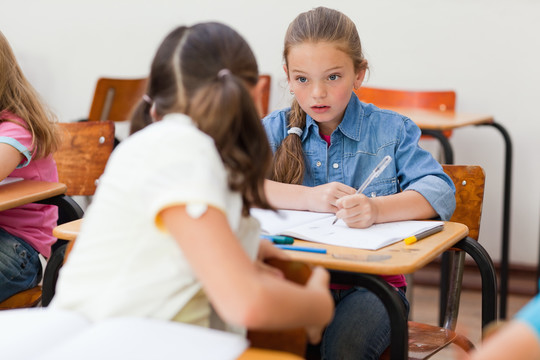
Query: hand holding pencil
x=374 y=174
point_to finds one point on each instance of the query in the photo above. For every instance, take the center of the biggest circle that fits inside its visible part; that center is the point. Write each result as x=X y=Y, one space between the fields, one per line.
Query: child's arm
x=240 y=292
x=516 y=340
x=9 y=159
x=359 y=211
x=320 y=198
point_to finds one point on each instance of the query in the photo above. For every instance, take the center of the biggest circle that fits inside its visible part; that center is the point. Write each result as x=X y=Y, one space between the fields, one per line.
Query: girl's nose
x=318 y=91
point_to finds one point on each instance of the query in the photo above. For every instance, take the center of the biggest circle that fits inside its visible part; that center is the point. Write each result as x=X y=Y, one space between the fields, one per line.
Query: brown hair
x=318 y=25
x=206 y=71
x=19 y=98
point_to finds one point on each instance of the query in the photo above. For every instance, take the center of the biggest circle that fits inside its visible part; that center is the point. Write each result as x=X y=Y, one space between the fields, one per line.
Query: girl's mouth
x=320 y=108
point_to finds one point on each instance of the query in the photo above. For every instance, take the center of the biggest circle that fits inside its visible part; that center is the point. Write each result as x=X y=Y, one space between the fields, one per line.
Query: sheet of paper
x=317 y=227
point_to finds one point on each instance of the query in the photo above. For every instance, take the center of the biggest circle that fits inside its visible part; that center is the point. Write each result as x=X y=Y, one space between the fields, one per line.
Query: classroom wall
x=486 y=50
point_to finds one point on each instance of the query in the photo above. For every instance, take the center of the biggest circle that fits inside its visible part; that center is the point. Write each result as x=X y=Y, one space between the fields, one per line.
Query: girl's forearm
x=407 y=205
x=286 y=196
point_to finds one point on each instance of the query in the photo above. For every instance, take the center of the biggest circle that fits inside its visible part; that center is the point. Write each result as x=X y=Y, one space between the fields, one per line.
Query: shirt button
x=319 y=163
x=335 y=166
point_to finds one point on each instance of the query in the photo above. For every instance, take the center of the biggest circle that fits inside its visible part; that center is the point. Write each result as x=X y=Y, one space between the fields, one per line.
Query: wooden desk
x=433 y=123
x=362 y=265
x=264 y=354
x=391 y=260
x=28 y=191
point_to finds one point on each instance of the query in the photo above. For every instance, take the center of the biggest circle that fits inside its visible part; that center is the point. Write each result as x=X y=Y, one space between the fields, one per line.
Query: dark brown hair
x=318 y=25
x=206 y=71
x=18 y=97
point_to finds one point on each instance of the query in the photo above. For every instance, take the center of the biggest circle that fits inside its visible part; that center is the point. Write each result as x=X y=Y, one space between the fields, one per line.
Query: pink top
x=31 y=222
x=394 y=280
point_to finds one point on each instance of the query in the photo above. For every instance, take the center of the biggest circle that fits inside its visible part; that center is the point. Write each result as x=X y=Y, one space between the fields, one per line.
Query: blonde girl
x=328 y=143
x=168 y=234
x=27 y=139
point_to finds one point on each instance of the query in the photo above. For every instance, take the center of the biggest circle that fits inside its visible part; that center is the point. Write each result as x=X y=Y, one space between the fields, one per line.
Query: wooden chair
x=426 y=340
x=265 y=94
x=81 y=159
x=292 y=341
x=390 y=98
x=114 y=99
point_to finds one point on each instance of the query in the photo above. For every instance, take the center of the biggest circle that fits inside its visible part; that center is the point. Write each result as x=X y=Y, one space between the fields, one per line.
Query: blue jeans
x=360 y=328
x=20 y=267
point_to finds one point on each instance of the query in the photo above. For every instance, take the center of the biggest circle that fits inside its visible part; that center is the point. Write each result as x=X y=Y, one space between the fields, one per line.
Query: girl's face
x=322 y=78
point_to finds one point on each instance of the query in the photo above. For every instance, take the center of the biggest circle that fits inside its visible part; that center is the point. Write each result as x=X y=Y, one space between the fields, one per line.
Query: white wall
x=486 y=50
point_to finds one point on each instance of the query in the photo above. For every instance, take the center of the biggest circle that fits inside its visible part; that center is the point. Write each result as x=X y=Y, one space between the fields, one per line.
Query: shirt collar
x=349 y=126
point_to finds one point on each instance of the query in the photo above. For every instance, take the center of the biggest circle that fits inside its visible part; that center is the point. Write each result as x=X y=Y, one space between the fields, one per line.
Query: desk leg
x=488 y=275
x=505 y=249
x=445 y=259
x=399 y=336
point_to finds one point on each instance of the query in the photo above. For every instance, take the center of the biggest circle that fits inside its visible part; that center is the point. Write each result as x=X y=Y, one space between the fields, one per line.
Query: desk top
x=390 y=260
x=442 y=120
x=265 y=354
x=27 y=191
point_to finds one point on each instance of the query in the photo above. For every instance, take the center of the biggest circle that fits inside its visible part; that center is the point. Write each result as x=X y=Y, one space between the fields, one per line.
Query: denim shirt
x=363 y=138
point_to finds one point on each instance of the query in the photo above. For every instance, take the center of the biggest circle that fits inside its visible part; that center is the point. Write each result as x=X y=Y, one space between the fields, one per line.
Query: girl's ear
x=359 y=79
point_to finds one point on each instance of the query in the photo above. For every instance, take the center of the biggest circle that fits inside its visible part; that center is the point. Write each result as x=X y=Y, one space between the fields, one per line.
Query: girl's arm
x=514 y=341
x=9 y=159
x=359 y=211
x=320 y=198
x=238 y=289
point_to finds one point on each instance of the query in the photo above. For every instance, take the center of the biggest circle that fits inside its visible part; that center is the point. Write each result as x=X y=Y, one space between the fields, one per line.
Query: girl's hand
x=358 y=211
x=323 y=198
x=267 y=250
x=320 y=282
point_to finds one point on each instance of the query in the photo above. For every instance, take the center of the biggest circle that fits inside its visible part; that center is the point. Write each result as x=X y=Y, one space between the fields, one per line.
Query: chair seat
x=24 y=299
x=426 y=340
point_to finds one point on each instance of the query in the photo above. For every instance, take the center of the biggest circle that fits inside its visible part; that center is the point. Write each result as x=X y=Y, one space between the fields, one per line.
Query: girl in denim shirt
x=328 y=143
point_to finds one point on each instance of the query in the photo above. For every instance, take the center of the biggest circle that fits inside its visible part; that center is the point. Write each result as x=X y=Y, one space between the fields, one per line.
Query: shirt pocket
x=382 y=187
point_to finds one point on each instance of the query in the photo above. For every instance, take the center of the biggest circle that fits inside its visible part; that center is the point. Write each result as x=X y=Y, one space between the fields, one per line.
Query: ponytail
x=289 y=165
x=224 y=109
x=141 y=117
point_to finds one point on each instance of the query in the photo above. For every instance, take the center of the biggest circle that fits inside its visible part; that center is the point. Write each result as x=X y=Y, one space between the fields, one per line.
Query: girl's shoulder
x=11 y=121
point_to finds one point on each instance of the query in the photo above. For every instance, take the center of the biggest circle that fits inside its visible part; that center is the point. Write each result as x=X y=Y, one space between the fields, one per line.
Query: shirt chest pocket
x=382 y=187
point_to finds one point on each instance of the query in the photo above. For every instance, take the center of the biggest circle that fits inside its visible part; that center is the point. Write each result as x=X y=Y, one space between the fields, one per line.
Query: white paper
x=317 y=227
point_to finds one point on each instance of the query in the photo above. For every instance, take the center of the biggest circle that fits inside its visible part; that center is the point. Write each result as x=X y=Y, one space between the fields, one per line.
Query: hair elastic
x=295 y=130
x=223 y=72
x=147 y=99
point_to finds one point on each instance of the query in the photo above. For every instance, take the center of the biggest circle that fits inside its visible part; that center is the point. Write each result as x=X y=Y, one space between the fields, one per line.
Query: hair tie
x=223 y=72
x=295 y=130
x=147 y=99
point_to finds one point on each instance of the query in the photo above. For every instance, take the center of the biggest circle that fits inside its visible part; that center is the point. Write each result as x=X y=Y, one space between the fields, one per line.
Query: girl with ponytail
x=168 y=234
x=328 y=143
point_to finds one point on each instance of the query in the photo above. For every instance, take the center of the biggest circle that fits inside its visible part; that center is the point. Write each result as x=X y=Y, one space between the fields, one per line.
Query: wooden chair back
x=83 y=154
x=114 y=99
x=469 y=182
x=392 y=98
x=431 y=100
x=265 y=94
x=292 y=341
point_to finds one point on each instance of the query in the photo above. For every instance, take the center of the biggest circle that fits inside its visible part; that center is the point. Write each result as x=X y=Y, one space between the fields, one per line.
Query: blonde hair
x=18 y=97
x=318 y=25
x=206 y=71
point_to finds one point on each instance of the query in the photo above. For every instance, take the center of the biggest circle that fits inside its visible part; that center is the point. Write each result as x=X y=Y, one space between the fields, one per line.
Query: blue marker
x=279 y=239
x=302 y=248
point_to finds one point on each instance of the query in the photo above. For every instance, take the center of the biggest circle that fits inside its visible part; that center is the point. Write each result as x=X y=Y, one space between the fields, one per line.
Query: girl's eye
x=333 y=77
x=301 y=79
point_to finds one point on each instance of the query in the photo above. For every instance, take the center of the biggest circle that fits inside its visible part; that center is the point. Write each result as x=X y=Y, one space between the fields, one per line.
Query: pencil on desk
x=302 y=248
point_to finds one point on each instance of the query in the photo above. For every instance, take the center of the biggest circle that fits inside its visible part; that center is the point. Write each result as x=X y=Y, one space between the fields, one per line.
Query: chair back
x=265 y=94
x=429 y=100
x=469 y=181
x=83 y=154
x=114 y=99
x=294 y=340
